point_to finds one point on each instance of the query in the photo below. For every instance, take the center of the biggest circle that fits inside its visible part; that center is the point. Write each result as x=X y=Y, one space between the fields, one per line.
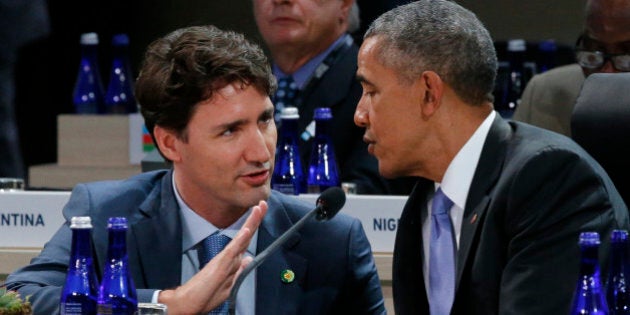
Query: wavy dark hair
x=188 y=65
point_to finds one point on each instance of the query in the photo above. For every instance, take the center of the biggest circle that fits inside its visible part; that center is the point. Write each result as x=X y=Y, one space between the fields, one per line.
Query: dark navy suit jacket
x=533 y=192
x=332 y=261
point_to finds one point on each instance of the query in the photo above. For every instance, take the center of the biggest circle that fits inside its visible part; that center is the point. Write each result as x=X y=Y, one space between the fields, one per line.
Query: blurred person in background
x=603 y=46
x=20 y=23
x=312 y=51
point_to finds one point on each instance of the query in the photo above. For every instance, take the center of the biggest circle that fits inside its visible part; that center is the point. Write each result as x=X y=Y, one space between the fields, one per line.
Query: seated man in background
x=494 y=226
x=314 y=55
x=604 y=46
x=204 y=95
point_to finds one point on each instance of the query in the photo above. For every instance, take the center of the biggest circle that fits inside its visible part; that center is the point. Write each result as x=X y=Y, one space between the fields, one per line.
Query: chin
x=386 y=173
x=390 y=173
x=259 y=193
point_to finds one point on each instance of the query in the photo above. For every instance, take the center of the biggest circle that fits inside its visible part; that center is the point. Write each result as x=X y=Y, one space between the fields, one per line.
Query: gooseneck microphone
x=328 y=204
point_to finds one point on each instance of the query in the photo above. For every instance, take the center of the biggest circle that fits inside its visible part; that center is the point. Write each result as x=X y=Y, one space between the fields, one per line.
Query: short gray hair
x=440 y=36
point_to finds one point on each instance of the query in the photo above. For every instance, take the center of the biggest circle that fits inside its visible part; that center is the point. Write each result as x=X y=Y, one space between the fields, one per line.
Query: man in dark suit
x=205 y=97
x=311 y=46
x=493 y=227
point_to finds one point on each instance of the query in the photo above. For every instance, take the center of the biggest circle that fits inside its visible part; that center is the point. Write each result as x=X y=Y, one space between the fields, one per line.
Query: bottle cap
x=89 y=39
x=516 y=45
x=117 y=223
x=619 y=236
x=80 y=223
x=589 y=238
x=120 y=40
x=323 y=113
x=289 y=113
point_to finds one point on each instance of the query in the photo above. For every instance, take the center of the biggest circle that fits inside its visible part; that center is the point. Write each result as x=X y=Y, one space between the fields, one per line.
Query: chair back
x=601 y=125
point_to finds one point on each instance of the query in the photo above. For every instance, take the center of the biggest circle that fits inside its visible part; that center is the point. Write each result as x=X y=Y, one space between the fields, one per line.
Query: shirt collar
x=301 y=75
x=195 y=228
x=460 y=172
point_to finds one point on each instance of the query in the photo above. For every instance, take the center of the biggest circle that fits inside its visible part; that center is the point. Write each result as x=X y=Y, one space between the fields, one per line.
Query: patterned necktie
x=285 y=95
x=441 y=256
x=211 y=246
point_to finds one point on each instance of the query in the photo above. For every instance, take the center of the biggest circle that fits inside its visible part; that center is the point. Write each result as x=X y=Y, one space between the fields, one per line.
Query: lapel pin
x=473 y=219
x=287 y=276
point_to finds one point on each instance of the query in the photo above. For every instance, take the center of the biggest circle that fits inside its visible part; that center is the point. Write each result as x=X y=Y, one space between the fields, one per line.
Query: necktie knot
x=441 y=203
x=212 y=246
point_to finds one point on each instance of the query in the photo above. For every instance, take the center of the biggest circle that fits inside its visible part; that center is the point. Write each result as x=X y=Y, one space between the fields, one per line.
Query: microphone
x=327 y=206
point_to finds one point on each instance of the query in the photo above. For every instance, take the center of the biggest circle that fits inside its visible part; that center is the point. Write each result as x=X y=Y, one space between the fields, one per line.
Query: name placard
x=379 y=216
x=28 y=219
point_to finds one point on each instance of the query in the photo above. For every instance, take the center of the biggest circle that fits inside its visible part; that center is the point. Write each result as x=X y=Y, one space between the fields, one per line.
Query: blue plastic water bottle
x=88 y=89
x=80 y=290
x=288 y=175
x=119 y=98
x=618 y=288
x=589 y=296
x=322 y=170
x=117 y=293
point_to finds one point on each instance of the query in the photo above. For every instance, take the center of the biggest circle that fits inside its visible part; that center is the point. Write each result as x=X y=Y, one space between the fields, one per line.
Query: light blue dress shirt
x=302 y=75
x=194 y=230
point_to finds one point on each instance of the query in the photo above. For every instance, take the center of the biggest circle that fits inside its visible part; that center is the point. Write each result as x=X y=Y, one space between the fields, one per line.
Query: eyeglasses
x=596 y=59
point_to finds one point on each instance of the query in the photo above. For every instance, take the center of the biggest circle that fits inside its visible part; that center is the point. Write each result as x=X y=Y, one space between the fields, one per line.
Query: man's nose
x=257 y=149
x=360 y=116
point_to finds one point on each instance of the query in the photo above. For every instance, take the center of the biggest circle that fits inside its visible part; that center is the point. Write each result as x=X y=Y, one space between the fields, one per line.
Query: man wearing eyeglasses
x=604 y=46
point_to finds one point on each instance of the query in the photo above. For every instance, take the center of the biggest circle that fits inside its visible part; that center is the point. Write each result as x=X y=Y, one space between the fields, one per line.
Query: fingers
x=258 y=212
x=240 y=242
x=212 y=284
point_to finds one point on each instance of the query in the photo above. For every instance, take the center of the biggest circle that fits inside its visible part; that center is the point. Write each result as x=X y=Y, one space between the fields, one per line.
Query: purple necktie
x=441 y=256
x=211 y=246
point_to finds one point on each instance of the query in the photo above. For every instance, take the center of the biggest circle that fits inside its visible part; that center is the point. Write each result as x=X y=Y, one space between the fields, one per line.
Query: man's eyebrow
x=591 y=40
x=363 y=79
x=266 y=114
x=230 y=125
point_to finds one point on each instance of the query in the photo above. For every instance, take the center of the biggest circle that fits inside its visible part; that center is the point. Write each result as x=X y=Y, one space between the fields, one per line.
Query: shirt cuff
x=154 y=298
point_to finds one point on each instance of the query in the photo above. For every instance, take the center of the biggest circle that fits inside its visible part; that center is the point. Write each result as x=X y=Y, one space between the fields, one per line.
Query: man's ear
x=346 y=6
x=433 y=87
x=167 y=141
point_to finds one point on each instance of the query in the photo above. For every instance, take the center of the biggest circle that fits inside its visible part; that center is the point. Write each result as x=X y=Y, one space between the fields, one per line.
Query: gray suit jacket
x=533 y=192
x=549 y=98
x=332 y=261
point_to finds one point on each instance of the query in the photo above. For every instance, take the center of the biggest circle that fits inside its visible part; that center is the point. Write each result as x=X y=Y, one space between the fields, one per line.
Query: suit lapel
x=272 y=294
x=486 y=175
x=410 y=296
x=158 y=219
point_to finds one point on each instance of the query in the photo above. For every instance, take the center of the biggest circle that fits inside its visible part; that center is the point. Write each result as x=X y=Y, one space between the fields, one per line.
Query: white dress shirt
x=455 y=185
